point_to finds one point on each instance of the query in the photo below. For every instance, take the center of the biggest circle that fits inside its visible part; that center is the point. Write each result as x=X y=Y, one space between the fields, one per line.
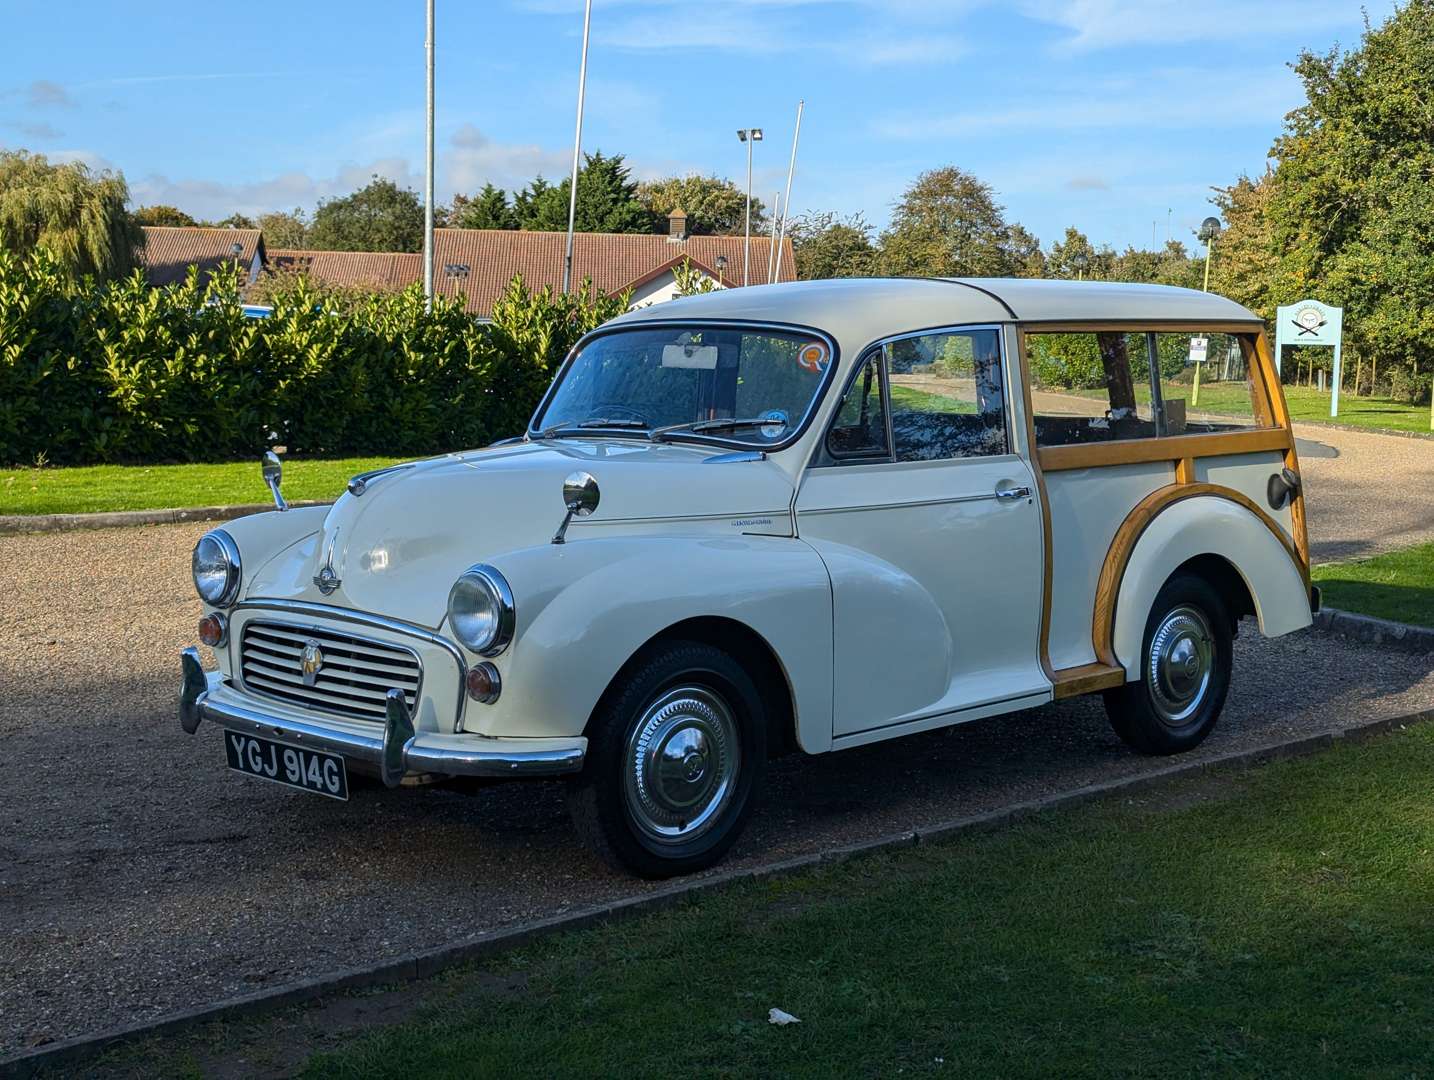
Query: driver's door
x=929 y=527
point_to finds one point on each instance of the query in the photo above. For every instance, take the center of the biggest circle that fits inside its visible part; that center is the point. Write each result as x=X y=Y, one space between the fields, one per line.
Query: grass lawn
x=1399 y=585
x=1270 y=923
x=89 y=489
x=1305 y=403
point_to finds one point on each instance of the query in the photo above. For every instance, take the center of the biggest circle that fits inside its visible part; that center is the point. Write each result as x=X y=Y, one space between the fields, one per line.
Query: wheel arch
x=745 y=645
x=1213 y=532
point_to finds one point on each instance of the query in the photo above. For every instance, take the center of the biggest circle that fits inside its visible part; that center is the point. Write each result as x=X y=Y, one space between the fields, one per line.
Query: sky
x=1116 y=116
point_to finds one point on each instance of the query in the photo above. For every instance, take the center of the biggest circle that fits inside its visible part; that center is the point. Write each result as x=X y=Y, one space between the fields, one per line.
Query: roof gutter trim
x=987 y=292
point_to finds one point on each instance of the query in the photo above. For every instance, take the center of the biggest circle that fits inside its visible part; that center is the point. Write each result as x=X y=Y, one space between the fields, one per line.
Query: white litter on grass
x=782 y=1019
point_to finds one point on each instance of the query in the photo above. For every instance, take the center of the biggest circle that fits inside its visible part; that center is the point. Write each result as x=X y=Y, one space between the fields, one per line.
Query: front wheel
x=1186 y=659
x=676 y=754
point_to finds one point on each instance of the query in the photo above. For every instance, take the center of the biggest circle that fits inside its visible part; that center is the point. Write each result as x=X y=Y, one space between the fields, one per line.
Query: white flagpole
x=787 y=199
x=577 y=151
x=772 y=243
x=428 y=178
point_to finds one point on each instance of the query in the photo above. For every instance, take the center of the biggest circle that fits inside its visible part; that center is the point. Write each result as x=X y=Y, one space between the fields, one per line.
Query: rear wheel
x=676 y=755
x=1186 y=658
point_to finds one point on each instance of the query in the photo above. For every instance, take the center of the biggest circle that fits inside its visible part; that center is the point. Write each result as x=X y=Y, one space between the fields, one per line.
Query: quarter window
x=1205 y=384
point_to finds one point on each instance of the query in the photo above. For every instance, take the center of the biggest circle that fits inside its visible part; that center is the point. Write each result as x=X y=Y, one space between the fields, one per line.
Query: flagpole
x=428 y=176
x=577 y=151
x=787 y=199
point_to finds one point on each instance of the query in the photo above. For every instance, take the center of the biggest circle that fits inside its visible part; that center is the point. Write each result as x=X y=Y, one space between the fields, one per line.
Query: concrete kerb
x=1386 y=633
x=421 y=965
x=13 y=524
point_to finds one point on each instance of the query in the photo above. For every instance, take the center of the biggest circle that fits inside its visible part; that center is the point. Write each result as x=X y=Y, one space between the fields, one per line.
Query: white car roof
x=859 y=310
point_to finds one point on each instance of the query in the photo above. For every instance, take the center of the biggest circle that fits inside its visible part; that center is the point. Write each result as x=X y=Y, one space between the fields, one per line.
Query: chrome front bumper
x=394 y=751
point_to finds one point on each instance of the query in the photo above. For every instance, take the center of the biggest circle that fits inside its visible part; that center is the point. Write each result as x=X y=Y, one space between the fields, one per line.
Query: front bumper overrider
x=393 y=749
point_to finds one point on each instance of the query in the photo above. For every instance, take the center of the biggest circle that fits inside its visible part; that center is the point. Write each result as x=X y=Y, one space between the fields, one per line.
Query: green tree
x=233 y=221
x=380 y=216
x=284 y=230
x=162 y=215
x=948 y=223
x=488 y=209
x=828 y=246
x=77 y=214
x=607 y=201
x=713 y=206
x=1346 y=214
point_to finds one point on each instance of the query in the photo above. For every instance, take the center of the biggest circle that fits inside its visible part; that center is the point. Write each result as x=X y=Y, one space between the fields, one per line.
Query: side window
x=1090 y=387
x=859 y=428
x=947 y=398
x=1205 y=384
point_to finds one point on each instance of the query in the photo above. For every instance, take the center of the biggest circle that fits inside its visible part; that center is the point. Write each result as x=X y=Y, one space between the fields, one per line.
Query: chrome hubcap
x=1181 y=661
x=681 y=764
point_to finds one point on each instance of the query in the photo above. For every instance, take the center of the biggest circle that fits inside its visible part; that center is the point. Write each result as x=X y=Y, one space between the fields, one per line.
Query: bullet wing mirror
x=581 y=496
x=273 y=470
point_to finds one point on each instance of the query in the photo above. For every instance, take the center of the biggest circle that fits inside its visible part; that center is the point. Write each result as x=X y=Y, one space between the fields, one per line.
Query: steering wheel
x=616 y=412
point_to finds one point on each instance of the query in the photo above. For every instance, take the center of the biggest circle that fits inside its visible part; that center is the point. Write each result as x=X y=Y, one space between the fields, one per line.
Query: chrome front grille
x=353 y=680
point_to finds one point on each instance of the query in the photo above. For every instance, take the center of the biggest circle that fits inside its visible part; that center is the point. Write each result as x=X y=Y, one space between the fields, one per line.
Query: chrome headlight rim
x=234 y=569
x=498 y=592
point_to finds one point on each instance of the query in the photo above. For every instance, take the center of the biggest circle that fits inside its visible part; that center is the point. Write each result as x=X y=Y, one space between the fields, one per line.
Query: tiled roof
x=169 y=251
x=479 y=263
x=352 y=269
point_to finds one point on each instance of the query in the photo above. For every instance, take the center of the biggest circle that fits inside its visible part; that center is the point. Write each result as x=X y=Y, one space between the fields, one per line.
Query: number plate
x=292 y=766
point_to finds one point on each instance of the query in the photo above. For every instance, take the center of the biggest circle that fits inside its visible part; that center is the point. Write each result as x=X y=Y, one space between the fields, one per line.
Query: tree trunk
x=1119 y=383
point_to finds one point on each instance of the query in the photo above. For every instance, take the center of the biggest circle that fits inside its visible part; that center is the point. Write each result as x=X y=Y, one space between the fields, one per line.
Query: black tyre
x=676 y=755
x=1186 y=659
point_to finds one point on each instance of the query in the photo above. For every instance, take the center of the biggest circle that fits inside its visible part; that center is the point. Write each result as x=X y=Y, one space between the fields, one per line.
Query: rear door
x=929 y=526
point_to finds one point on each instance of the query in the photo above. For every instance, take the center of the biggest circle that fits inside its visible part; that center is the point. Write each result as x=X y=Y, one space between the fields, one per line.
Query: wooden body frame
x=1181 y=450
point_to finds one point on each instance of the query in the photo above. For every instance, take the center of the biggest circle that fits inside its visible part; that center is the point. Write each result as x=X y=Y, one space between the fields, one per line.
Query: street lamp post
x=1209 y=229
x=748 y=136
x=1080 y=261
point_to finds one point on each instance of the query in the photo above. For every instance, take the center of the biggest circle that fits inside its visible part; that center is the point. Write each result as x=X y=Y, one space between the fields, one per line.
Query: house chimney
x=676 y=226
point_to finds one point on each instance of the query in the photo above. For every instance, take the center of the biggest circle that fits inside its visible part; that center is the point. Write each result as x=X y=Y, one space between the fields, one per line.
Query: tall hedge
x=128 y=373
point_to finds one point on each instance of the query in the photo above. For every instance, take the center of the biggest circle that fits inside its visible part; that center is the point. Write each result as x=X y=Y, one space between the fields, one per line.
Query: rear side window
x=1100 y=387
x=1205 y=384
x=1090 y=387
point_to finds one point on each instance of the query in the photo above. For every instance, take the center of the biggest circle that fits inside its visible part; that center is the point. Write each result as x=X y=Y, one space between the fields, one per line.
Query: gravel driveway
x=138 y=877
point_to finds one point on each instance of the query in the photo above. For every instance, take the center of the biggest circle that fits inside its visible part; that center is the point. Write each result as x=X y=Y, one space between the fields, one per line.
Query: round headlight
x=480 y=610
x=216 y=568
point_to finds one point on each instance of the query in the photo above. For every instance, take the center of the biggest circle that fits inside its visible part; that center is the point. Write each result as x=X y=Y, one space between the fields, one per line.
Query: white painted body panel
x=1249 y=474
x=936 y=586
x=586 y=607
x=1087 y=507
x=1200 y=526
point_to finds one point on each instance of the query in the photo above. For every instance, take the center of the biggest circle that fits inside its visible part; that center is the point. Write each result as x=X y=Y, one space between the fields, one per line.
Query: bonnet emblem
x=311 y=662
x=327 y=579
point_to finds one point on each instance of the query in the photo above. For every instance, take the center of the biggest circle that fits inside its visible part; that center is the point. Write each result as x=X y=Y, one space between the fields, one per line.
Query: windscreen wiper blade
x=698 y=427
x=595 y=422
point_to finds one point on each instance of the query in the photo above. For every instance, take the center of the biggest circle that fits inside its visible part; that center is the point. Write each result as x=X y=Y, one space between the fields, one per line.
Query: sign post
x=1309 y=322
x=1199 y=349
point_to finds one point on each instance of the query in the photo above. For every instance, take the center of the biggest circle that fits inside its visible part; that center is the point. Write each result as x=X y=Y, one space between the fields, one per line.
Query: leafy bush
x=1407 y=388
x=123 y=372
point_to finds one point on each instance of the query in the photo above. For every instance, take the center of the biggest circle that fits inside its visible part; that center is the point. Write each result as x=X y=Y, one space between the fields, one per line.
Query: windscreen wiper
x=595 y=422
x=698 y=427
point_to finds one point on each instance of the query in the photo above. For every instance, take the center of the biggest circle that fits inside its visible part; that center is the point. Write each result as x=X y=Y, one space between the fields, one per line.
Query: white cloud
x=42 y=93
x=474 y=159
x=217 y=199
x=1099 y=24
x=1168 y=100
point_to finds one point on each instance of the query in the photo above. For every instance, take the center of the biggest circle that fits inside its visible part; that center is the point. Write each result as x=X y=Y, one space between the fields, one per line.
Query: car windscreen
x=751 y=386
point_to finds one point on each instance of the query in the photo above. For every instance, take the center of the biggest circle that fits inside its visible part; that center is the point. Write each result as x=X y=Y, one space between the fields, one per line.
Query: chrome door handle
x=1013 y=493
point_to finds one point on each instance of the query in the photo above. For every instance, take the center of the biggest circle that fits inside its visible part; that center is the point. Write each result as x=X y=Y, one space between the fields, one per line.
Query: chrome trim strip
x=736 y=455
x=416 y=757
x=360 y=483
x=898 y=505
x=363 y=618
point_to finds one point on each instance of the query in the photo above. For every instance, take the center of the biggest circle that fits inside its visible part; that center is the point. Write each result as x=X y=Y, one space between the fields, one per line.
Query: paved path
x=138 y=877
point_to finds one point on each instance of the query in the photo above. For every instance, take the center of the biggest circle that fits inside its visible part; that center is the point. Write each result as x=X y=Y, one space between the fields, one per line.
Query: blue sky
x=1104 y=114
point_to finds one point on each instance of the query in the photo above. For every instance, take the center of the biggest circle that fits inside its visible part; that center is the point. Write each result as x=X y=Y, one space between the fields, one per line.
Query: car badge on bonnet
x=327 y=579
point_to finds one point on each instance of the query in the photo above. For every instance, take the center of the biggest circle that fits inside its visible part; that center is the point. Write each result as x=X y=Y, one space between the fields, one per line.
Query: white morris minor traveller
x=805 y=516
